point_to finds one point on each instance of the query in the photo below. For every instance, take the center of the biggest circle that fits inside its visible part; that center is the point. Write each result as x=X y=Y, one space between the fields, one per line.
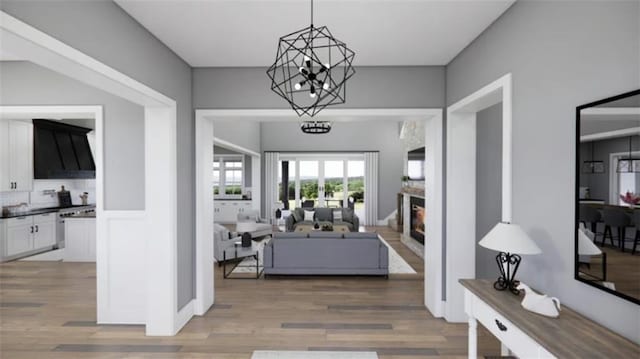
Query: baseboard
x=184 y=315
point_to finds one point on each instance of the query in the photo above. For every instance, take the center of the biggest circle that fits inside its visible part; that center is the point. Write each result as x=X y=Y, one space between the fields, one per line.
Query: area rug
x=312 y=355
x=397 y=265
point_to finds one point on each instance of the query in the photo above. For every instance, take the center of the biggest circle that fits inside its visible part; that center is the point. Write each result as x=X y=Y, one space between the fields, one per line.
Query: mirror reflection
x=608 y=195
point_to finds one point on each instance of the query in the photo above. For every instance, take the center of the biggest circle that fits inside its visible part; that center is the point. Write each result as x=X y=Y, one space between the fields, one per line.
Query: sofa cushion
x=323 y=215
x=347 y=215
x=337 y=215
x=290 y=235
x=321 y=234
x=298 y=214
x=369 y=235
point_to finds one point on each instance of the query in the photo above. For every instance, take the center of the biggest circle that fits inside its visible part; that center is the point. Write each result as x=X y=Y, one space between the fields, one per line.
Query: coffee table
x=307 y=228
x=239 y=253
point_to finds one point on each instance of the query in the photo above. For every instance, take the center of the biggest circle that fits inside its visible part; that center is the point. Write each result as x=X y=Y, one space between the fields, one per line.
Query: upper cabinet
x=16 y=155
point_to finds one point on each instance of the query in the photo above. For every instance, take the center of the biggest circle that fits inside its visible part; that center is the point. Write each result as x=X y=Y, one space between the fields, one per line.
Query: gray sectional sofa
x=323 y=216
x=326 y=253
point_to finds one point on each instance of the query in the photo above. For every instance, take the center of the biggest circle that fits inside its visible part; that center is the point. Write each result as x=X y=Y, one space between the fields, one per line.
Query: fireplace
x=418 y=218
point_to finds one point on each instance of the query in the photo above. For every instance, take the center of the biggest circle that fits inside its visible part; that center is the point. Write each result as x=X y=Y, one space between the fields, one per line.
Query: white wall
x=562 y=54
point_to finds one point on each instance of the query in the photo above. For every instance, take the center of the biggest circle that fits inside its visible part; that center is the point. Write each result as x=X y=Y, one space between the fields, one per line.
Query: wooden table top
x=309 y=228
x=571 y=335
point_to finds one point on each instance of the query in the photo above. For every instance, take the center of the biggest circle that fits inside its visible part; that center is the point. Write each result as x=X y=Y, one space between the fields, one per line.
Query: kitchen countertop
x=37 y=211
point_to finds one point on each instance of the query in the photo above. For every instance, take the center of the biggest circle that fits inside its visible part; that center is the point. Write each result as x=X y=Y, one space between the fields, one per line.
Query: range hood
x=61 y=151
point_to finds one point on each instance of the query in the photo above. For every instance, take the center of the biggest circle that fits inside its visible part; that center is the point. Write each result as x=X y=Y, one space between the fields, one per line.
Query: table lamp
x=511 y=241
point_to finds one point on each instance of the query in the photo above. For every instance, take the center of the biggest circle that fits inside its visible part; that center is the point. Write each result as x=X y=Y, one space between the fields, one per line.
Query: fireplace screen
x=418 y=217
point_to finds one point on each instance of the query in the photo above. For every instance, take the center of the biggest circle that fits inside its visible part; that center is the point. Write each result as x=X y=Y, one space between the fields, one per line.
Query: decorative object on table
x=592 y=166
x=316 y=225
x=539 y=303
x=630 y=198
x=327 y=227
x=84 y=197
x=279 y=206
x=629 y=164
x=64 y=197
x=246 y=239
x=310 y=72
x=511 y=241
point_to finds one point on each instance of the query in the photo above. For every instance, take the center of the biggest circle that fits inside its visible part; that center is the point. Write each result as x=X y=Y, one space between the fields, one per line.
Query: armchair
x=250 y=222
x=222 y=239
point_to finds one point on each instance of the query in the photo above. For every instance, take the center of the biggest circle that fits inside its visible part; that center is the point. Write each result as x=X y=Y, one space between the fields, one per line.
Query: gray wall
x=379 y=136
x=104 y=31
x=25 y=83
x=217 y=150
x=488 y=184
x=561 y=55
x=240 y=132
x=598 y=183
x=370 y=87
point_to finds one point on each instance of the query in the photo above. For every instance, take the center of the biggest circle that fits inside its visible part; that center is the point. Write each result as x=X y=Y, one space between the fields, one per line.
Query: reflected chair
x=618 y=218
x=590 y=215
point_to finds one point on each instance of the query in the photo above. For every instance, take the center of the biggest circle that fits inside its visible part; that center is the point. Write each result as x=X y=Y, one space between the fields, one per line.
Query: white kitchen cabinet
x=226 y=211
x=16 y=155
x=19 y=236
x=44 y=233
x=80 y=239
x=23 y=236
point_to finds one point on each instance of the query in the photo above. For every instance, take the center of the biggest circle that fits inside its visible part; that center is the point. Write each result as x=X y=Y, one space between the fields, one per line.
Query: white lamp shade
x=509 y=238
x=586 y=246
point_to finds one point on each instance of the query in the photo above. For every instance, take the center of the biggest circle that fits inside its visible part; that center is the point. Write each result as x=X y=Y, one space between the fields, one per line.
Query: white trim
x=231 y=146
x=613 y=178
x=461 y=185
x=33 y=45
x=205 y=119
x=184 y=315
x=42 y=49
x=265 y=115
x=610 y=134
x=610 y=111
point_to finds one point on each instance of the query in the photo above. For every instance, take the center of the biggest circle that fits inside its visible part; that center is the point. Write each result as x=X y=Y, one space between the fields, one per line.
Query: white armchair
x=222 y=240
x=251 y=223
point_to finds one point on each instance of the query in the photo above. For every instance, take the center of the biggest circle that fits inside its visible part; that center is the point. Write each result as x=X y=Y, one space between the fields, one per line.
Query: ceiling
x=222 y=33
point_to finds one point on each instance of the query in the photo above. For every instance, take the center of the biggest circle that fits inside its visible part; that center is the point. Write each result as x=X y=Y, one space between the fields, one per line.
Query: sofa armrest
x=289 y=222
x=268 y=255
x=384 y=256
x=356 y=223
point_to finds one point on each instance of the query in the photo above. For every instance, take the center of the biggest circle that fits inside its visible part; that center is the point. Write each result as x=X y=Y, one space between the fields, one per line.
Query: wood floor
x=623 y=270
x=47 y=310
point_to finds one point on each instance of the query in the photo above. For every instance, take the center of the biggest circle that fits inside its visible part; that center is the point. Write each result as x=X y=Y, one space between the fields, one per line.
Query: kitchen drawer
x=45 y=217
x=512 y=337
x=19 y=221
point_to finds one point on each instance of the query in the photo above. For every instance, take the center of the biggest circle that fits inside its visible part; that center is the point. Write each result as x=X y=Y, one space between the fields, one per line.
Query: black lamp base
x=508 y=265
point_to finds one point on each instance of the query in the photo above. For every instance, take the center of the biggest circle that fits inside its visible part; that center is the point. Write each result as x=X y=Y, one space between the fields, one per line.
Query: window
x=228 y=175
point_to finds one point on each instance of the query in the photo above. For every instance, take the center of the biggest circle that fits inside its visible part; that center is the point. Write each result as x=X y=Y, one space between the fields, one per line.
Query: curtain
x=371 y=188
x=270 y=183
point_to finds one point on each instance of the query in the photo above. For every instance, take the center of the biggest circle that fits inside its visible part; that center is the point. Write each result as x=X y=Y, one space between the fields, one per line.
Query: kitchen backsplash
x=38 y=199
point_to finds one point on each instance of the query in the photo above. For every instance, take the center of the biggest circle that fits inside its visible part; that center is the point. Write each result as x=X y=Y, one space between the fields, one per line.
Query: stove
x=68 y=212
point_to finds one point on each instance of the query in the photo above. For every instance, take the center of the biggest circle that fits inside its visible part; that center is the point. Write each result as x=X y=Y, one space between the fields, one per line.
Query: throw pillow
x=308 y=216
x=337 y=215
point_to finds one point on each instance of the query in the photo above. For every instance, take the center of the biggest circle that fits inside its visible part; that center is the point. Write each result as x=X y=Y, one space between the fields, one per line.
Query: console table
x=530 y=335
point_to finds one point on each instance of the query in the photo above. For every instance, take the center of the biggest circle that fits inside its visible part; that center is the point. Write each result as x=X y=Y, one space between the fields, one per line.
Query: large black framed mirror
x=607 y=226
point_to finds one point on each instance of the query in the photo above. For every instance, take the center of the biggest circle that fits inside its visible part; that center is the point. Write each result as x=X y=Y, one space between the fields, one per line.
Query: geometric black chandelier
x=629 y=164
x=592 y=166
x=311 y=72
